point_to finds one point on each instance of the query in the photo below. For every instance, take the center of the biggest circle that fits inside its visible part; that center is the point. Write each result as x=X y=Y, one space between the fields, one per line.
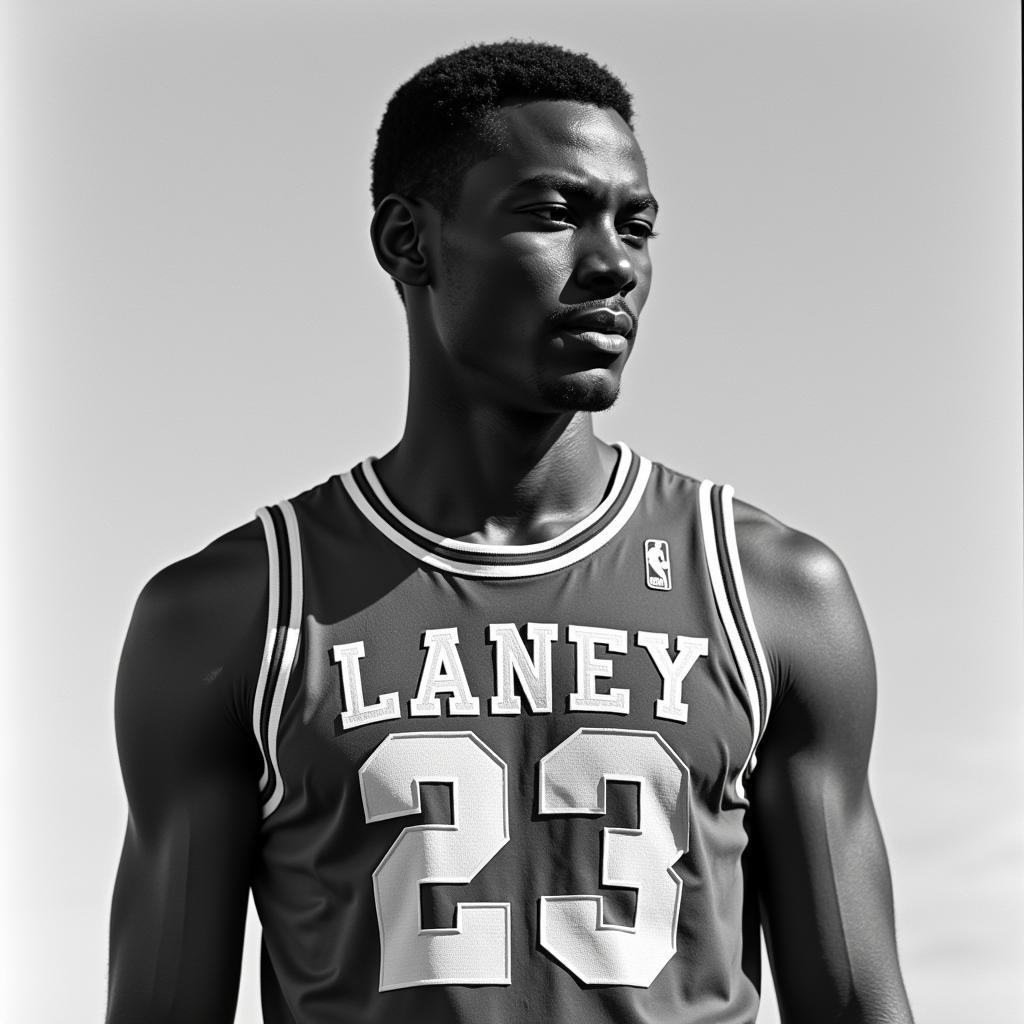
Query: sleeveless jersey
x=506 y=783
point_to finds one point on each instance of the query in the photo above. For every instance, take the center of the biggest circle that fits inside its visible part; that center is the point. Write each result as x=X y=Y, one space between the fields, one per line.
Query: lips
x=600 y=321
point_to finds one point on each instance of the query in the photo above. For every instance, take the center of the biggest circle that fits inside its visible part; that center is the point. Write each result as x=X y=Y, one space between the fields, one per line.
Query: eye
x=639 y=230
x=552 y=213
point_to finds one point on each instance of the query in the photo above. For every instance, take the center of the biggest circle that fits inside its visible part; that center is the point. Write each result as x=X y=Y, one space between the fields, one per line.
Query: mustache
x=559 y=318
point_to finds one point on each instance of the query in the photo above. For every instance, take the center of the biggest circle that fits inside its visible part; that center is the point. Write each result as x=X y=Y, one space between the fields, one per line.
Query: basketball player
x=508 y=725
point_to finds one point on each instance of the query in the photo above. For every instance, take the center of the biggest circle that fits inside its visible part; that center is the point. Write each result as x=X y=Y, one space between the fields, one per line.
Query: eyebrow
x=576 y=187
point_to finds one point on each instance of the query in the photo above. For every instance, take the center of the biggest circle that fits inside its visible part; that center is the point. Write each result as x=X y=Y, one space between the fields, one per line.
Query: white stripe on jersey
x=741 y=590
x=707 y=524
x=274 y=596
x=291 y=645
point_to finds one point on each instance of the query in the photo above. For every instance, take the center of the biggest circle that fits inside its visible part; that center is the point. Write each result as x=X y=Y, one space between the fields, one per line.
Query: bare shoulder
x=195 y=642
x=802 y=601
x=772 y=551
x=209 y=600
x=221 y=579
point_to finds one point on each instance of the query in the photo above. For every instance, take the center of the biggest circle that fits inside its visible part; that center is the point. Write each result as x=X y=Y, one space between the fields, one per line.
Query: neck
x=491 y=476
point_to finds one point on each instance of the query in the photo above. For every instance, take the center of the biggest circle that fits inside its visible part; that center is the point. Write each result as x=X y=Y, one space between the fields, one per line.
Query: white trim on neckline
x=515 y=570
x=618 y=481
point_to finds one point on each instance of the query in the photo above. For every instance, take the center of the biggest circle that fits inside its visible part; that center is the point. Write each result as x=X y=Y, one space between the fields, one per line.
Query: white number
x=477 y=950
x=573 y=780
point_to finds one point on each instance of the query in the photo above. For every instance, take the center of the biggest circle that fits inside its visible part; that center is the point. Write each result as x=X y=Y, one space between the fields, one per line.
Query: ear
x=396 y=233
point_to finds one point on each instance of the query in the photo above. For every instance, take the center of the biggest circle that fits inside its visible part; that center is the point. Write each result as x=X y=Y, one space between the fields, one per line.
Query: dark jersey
x=505 y=783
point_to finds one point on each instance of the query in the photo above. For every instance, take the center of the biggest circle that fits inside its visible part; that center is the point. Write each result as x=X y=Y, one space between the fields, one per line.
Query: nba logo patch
x=656 y=563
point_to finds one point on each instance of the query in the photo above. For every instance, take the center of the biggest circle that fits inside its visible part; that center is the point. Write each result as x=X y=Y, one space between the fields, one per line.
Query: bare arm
x=180 y=898
x=824 y=874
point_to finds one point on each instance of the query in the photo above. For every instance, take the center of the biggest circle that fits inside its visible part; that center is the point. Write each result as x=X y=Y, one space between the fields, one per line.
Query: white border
x=618 y=480
x=504 y=571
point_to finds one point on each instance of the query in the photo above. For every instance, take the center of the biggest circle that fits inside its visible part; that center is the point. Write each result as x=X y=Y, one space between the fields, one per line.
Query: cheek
x=643 y=286
x=547 y=266
x=523 y=279
x=528 y=276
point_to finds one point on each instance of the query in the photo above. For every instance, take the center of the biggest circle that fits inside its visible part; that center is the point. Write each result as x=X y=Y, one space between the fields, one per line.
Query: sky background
x=194 y=325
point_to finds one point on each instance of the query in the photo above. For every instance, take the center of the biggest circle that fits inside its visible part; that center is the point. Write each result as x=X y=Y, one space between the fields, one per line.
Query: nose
x=605 y=264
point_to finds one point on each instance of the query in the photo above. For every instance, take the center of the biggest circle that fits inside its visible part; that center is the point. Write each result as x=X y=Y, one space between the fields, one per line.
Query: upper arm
x=191 y=777
x=823 y=872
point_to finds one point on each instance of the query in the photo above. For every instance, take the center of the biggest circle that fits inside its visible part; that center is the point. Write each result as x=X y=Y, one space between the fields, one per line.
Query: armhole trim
x=284 y=616
x=273 y=601
x=721 y=553
x=761 y=662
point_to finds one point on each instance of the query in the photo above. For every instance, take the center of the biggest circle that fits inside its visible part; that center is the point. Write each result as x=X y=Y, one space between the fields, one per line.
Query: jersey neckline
x=507 y=561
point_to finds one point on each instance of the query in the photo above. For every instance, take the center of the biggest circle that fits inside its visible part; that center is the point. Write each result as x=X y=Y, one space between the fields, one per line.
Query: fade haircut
x=443 y=120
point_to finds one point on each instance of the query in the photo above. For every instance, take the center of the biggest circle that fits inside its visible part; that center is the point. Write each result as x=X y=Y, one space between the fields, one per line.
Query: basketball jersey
x=505 y=783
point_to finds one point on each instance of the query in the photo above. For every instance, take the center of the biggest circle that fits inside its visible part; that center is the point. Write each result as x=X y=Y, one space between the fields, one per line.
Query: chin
x=579 y=395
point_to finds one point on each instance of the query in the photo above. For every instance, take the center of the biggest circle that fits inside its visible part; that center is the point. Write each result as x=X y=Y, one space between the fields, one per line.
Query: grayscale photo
x=514 y=514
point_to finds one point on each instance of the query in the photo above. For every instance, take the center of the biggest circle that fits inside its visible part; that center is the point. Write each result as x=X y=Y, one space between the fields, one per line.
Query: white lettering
x=513 y=662
x=443 y=673
x=356 y=711
x=589 y=668
x=672 y=670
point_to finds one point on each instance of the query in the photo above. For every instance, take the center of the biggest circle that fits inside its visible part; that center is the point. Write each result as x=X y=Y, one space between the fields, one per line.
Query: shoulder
x=802 y=601
x=225 y=581
x=198 y=630
x=778 y=556
x=775 y=557
x=185 y=685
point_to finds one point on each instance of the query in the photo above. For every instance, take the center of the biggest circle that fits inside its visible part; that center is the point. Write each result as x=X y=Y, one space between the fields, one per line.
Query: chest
x=521 y=665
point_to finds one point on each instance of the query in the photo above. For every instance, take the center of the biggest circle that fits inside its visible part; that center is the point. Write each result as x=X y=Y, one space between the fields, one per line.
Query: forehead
x=559 y=139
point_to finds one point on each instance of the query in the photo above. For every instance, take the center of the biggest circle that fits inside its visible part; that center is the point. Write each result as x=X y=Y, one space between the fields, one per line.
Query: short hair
x=441 y=121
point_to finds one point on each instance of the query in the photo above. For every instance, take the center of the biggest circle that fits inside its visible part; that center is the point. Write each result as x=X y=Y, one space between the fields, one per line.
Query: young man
x=508 y=725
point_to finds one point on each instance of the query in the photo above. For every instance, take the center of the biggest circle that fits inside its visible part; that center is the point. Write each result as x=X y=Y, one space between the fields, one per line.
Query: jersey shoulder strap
x=284 y=616
x=718 y=530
